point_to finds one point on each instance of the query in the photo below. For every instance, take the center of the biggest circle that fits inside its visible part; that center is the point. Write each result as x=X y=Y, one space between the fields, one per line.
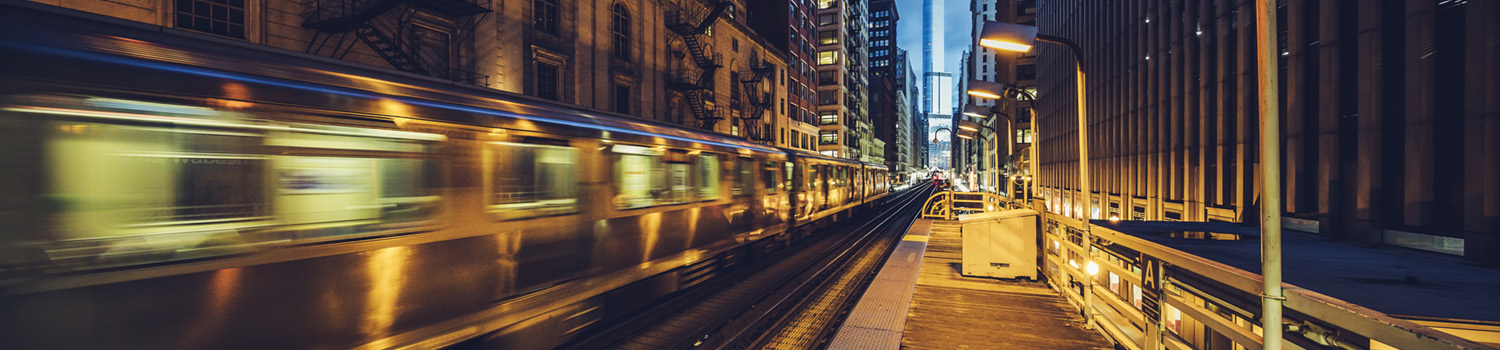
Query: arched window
x=622 y=32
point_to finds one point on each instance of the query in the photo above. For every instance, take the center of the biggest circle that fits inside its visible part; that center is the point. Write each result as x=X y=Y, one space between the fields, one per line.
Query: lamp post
x=1020 y=38
x=967 y=131
x=949 y=198
x=994 y=90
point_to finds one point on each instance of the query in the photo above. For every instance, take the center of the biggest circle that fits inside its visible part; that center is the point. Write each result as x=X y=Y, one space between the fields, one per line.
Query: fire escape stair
x=383 y=46
x=680 y=22
x=372 y=22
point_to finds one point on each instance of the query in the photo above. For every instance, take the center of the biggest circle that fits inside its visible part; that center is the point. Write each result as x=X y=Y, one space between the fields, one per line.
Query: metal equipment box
x=1000 y=244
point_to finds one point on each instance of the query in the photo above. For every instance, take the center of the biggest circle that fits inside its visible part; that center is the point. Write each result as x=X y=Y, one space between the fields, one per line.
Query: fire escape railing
x=758 y=102
x=692 y=26
x=384 y=26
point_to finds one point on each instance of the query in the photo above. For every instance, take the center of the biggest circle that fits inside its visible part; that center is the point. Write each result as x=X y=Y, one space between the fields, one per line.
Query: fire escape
x=759 y=102
x=698 y=91
x=390 y=29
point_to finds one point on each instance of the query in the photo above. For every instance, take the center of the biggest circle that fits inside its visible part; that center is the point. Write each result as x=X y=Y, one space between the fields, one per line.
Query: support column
x=1481 y=200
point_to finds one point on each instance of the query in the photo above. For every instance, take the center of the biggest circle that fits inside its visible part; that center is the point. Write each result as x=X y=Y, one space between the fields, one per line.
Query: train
x=162 y=190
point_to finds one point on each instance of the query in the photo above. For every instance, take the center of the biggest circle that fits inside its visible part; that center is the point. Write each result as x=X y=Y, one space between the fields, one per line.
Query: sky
x=954 y=21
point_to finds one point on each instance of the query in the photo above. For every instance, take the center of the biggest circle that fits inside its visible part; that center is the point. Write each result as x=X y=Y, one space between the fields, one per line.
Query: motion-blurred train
x=162 y=191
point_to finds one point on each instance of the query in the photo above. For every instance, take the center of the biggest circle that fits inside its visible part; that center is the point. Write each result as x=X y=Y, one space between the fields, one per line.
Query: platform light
x=986 y=89
x=977 y=111
x=1114 y=219
x=1007 y=36
x=1092 y=269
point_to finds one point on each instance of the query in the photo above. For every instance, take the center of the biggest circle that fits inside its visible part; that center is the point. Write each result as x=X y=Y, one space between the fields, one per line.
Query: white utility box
x=1000 y=244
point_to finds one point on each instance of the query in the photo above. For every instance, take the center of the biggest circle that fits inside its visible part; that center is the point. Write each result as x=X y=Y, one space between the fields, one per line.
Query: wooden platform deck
x=949 y=311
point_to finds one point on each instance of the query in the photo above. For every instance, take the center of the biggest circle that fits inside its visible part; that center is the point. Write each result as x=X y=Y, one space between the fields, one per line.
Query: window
x=533 y=177
x=828 y=137
x=646 y=177
x=828 y=77
x=881 y=23
x=744 y=178
x=770 y=177
x=882 y=13
x=880 y=33
x=622 y=32
x=546 y=81
x=222 y=17
x=881 y=42
x=828 y=97
x=828 y=37
x=545 y=16
x=622 y=99
x=828 y=57
x=881 y=53
x=185 y=182
x=823 y=4
x=826 y=19
x=708 y=176
x=734 y=44
x=1023 y=135
x=829 y=118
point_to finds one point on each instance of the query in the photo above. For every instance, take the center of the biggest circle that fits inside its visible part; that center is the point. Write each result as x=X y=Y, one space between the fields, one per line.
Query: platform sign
x=1151 y=289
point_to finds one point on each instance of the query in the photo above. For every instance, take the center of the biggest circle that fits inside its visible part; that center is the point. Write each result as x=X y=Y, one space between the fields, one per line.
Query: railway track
x=790 y=301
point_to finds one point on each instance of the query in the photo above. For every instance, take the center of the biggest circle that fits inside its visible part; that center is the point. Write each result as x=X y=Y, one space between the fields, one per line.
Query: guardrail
x=947 y=205
x=1145 y=296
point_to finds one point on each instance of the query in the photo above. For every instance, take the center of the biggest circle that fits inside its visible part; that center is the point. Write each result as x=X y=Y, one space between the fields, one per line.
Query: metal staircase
x=385 y=26
x=691 y=26
x=759 y=101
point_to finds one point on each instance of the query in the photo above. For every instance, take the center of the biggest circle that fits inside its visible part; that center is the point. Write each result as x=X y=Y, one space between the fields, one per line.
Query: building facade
x=1389 y=112
x=788 y=26
x=689 y=62
x=888 y=113
x=1002 y=142
x=842 y=62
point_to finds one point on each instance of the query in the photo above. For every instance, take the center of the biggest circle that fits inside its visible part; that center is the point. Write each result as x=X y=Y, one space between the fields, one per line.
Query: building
x=939 y=99
x=1389 y=112
x=843 y=87
x=694 y=63
x=1008 y=133
x=887 y=107
x=788 y=25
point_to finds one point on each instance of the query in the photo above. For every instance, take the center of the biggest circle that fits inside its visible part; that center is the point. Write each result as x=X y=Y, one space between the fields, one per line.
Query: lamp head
x=965 y=125
x=1007 y=36
x=986 y=89
x=978 y=111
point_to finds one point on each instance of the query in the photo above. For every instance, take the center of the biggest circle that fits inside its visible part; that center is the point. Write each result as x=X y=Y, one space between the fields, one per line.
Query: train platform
x=919 y=300
x=1401 y=282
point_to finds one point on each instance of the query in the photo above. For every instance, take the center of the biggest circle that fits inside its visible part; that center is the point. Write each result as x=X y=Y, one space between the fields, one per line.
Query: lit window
x=829 y=118
x=823 y=4
x=828 y=57
x=828 y=37
x=828 y=137
x=533 y=178
x=646 y=177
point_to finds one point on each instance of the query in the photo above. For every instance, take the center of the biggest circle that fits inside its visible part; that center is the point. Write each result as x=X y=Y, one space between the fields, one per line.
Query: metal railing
x=1144 y=294
x=947 y=205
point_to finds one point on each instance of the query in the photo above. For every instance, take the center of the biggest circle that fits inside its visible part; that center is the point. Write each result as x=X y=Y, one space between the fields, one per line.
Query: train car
x=164 y=191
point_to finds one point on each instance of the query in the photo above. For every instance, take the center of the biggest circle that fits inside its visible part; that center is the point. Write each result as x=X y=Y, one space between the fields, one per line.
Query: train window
x=646 y=177
x=787 y=182
x=771 y=177
x=744 y=177
x=127 y=182
x=708 y=176
x=534 y=177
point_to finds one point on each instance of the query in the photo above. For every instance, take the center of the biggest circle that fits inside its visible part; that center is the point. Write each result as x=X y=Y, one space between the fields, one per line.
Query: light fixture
x=970 y=126
x=977 y=111
x=1007 y=36
x=985 y=89
x=1114 y=219
x=1092 y=269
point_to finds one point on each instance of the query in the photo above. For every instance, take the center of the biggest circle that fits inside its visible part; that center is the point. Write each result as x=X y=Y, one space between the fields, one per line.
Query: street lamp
x=1020 y=38
x=995 y=90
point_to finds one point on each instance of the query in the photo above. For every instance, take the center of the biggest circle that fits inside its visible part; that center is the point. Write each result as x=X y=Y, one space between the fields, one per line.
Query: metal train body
x=162 y=191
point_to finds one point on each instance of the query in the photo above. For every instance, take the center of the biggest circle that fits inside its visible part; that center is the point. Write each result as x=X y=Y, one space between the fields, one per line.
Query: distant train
x=162 y=191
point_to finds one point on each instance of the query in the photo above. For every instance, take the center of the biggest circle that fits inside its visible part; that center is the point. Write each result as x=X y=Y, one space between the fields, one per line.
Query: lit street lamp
x=1020 y=38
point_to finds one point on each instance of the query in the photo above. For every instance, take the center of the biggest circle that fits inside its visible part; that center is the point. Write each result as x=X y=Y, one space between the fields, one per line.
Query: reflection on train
x=221 y=205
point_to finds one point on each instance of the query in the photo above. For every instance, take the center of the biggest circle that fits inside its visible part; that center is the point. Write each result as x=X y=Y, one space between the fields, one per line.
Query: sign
x=1151 y=289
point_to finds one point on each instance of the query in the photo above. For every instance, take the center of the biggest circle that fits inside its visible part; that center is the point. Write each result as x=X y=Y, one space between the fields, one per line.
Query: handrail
x=1159 y=265
x=945 y=205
